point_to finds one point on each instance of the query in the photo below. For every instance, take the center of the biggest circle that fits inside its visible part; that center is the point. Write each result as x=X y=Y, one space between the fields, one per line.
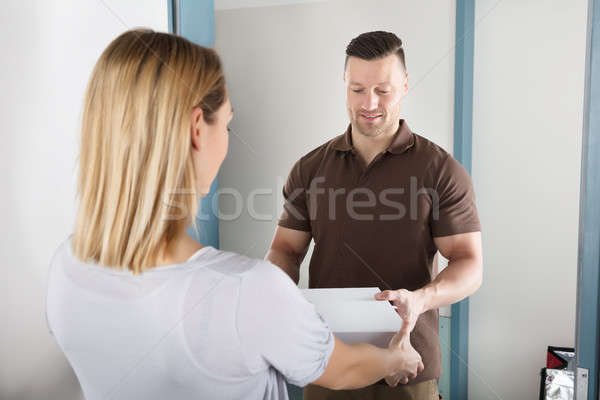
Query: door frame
x=588 y=268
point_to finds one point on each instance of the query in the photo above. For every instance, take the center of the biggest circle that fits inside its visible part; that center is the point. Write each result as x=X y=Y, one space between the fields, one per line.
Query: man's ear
x=405 y=86
x=195 y=127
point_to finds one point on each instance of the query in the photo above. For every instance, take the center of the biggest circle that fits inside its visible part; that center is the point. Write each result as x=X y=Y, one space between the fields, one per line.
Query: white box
x=354 y=315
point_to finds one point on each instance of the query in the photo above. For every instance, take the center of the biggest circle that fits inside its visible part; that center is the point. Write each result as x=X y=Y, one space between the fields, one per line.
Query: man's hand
x=409 y=305
x=413 y=364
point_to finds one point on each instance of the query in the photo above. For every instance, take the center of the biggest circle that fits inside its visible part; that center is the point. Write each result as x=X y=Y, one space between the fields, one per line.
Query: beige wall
x=527 y=124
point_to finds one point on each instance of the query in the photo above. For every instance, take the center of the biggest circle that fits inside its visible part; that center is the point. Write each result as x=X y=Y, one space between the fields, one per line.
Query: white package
x=354 y=315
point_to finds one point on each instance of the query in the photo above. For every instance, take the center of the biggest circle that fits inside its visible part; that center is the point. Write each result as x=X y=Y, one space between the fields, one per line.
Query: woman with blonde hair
x=140 y=309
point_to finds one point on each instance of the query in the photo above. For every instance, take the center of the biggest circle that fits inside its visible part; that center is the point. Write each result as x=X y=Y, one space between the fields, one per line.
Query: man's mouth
x=370 y=117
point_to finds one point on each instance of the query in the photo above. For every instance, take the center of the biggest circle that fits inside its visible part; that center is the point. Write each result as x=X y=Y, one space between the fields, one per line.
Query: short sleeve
x=295 y=211
x=278 y=327
x=456 y=211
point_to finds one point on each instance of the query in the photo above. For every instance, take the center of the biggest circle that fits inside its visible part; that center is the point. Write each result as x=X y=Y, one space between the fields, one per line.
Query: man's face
x=374 y=90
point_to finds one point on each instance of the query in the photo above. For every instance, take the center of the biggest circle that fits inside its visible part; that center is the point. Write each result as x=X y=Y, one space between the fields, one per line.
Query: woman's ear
x=196 y=122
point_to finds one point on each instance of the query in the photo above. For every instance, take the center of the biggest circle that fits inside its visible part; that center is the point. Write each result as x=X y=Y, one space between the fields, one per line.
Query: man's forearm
x=287 y=262
x=460 y=279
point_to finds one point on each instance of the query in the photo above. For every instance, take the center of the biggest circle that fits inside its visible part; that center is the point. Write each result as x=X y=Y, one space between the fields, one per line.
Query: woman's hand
x=409 y=362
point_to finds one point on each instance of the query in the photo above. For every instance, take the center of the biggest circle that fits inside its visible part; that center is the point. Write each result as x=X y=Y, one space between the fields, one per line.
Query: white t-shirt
x=218 y=326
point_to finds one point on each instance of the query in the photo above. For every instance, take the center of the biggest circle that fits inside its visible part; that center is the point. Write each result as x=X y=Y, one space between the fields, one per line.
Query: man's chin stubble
x=370 y=132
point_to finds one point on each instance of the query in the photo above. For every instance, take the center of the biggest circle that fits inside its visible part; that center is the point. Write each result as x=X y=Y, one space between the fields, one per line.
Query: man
x=379 y=202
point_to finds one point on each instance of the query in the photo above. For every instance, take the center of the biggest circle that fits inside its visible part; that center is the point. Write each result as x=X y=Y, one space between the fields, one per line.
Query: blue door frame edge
x=463 y=128
x=588 y=271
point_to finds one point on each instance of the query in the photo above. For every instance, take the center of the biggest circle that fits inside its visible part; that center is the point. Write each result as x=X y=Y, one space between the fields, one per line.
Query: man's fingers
x=404 y=380
x=385 y=295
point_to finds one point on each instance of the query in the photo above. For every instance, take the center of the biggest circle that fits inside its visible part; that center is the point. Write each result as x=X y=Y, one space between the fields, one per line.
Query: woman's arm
x=278 y=326
x=353 y=366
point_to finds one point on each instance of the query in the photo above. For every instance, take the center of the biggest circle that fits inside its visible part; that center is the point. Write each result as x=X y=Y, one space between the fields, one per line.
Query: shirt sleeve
x=278 y=327
x=455 y=211
x=295 y=211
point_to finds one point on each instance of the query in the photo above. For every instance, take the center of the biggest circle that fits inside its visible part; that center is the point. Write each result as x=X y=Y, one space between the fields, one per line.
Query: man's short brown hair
x=375 y=45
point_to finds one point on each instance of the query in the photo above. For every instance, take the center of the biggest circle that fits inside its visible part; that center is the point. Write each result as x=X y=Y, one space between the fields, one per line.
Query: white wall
x=527 y=124
x=48 y=51
x=284 y=66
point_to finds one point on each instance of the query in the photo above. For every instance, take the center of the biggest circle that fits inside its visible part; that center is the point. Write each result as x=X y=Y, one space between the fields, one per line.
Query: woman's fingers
x=392 y=380
x=404 y=330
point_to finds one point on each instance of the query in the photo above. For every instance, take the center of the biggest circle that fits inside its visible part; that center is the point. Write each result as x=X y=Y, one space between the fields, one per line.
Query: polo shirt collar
x=402 y=141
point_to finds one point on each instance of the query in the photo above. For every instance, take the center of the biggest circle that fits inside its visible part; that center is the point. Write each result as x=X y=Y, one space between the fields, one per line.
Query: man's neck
x=368 y=147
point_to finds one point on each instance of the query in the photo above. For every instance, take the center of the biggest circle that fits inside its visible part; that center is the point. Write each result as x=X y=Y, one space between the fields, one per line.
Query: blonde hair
x=136 y=173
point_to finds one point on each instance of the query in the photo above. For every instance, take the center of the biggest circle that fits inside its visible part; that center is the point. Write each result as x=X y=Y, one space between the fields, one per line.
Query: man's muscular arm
x=460 y=279
x=288 y=249
x=463 y=275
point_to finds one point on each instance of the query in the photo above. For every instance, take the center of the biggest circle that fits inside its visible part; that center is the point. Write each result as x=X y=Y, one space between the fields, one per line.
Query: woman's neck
x=179 y=250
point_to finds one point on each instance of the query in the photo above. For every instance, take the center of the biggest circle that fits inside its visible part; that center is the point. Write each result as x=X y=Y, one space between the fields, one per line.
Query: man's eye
x=384 y=91
x=357 y=90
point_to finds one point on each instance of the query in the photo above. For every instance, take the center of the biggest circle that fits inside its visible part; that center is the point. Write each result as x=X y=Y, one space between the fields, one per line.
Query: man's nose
x=370 y=102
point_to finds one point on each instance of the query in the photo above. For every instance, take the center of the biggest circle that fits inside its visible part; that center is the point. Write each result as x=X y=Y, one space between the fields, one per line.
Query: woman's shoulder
x=228 y=262
x=245 y=267
x=254 y=280
x=248 y=269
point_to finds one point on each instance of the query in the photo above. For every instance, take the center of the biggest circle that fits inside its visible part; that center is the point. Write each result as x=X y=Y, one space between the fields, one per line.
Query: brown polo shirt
x=374 y=225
